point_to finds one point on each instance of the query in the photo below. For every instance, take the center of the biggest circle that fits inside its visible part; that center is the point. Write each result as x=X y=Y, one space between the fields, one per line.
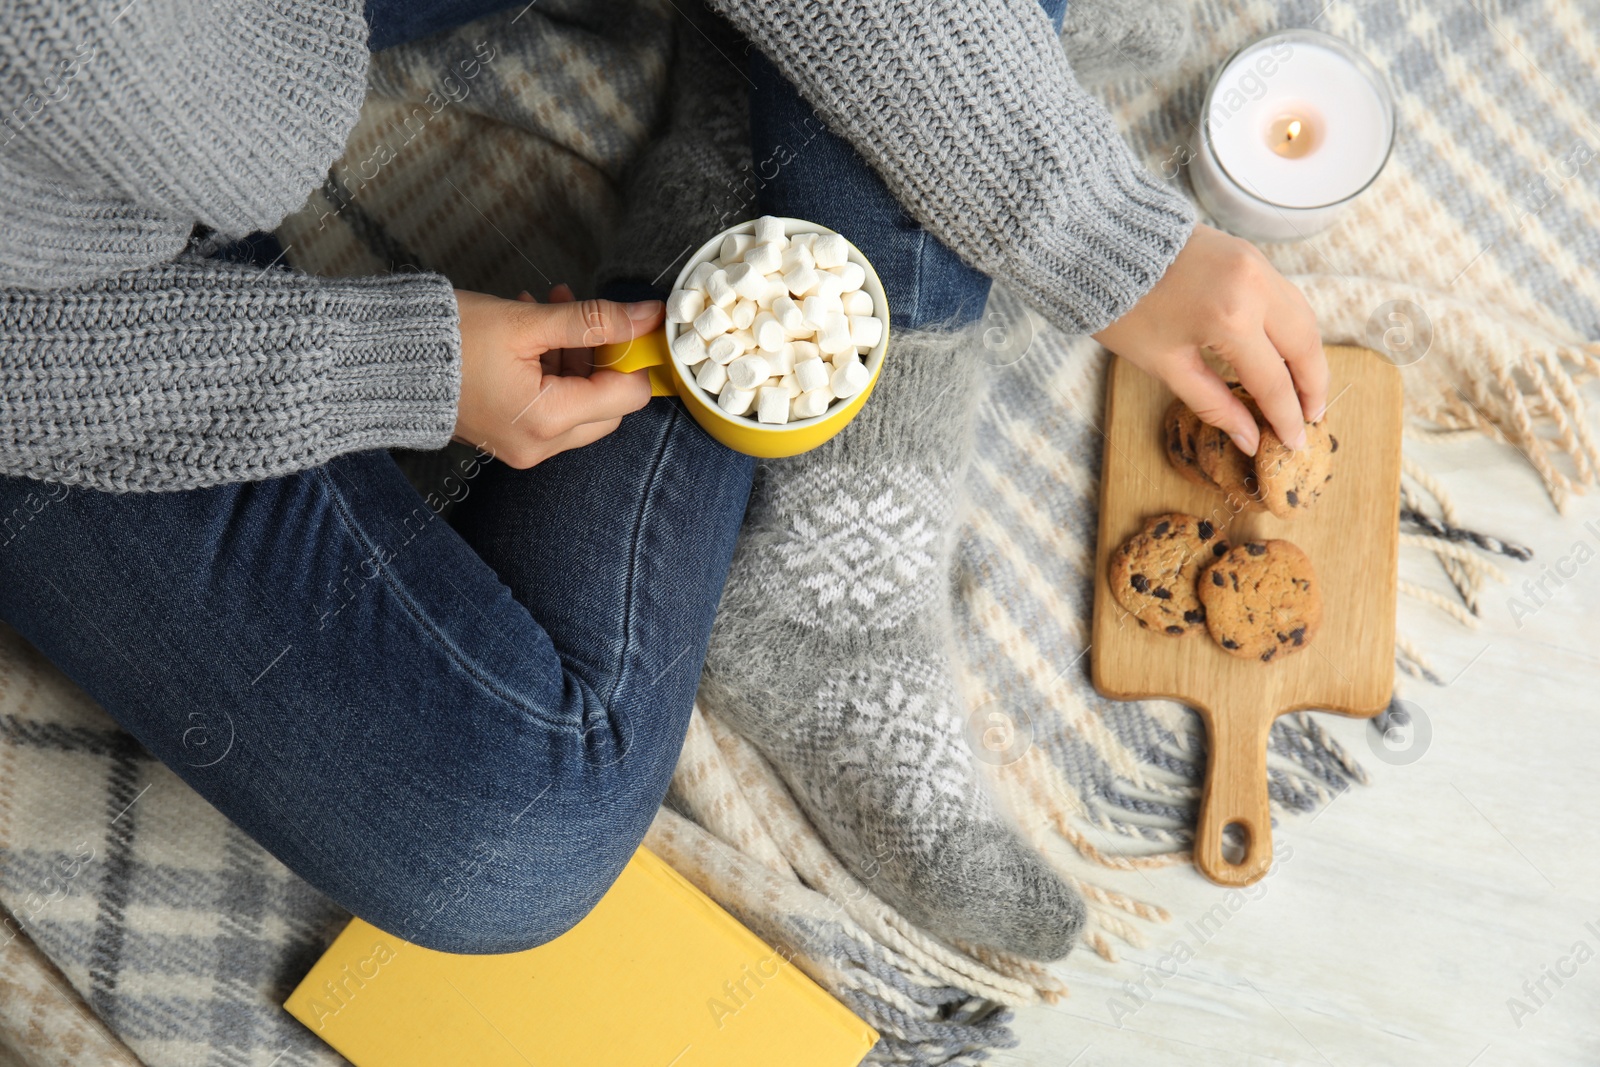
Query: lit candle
x=1295 y=126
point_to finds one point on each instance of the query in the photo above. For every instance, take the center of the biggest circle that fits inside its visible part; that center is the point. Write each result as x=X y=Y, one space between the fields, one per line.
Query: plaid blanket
x=143 y=927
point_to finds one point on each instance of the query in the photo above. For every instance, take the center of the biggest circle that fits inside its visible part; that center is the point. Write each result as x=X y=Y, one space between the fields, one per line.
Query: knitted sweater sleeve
x=972 y=117
x=199 y=372
x=127 y=363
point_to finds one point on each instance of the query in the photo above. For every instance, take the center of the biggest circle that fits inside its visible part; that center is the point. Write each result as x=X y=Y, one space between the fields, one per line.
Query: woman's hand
x=529 y=388
x=1221 y=293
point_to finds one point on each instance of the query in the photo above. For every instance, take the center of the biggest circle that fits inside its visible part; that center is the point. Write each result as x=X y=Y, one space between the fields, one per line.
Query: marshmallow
x=857 y=302
x=789 y=316
x=689 y=347
x=804 y=350
x=773 y=404
x=684 y=304
x=770 y=334
x=805 y=240
x=723 y=349
x=781 y=361
x=698 y=276
x=811 y=374
x=849 y=379
x=831 y=250
x=747 y=372
x=743 y=314
x=816 y=310
x=734 y=245
x=718 y=289
x=769 y=228
x=747 y=281
x=711 y=376
x=736 y=401
x=712 y=321
x=811 y=403
x=801 y=280
x=865 y=330
x=833 y=336
x=797 y=255
x=745 y=340
x=852 y=274
x=765 y=257
x=829 y=285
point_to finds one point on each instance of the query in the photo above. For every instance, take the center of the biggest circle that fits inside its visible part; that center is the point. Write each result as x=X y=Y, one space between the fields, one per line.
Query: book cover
x=657 y=975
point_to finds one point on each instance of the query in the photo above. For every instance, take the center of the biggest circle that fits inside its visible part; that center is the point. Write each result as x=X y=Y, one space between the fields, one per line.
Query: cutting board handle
x=1235 y=792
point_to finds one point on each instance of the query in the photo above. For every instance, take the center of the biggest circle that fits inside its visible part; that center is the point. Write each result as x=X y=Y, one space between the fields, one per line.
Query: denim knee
x=523 y=843
x=486 y=895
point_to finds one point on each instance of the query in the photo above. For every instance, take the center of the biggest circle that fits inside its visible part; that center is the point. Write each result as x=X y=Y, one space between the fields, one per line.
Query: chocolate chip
x=1140 y=582
x=1235 y=576
x=1256 y=548
x=1298 y=634
x=1267 y=655
x=1216 y=578
x=1205 y=530
x=1163 y=594
x=1161 y=529
x=1333 y=443
x=1196 y=616
x=1293 y=498
x=1174 y=629
x=1142 y=624
x=1220 y=548
x=1228 y=643
x=1282 y=638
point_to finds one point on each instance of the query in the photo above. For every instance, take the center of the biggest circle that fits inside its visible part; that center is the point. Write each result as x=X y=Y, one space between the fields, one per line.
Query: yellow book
x=657 y=975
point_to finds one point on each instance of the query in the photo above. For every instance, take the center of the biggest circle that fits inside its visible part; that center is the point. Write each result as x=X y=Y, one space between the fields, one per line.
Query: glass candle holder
x=1296 y=124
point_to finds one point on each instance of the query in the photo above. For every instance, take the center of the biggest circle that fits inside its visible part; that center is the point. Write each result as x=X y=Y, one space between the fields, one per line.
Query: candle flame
x=1293 y=131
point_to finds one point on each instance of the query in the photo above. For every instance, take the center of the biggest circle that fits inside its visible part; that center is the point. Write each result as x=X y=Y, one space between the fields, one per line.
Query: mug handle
x=648 y=351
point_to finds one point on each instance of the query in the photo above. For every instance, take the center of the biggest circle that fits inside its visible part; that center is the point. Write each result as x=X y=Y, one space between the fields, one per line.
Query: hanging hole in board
x=1235 y=843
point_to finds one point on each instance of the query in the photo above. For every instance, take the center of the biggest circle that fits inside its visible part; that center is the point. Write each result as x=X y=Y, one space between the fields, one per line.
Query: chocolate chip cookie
x=1290 y=482
x=1262 y=600
x=1153 y=574
x=1180 y=426
x=1232 y=471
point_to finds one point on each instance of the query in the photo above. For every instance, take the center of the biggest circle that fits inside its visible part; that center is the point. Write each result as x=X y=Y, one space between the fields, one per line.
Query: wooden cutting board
x=1352 y=537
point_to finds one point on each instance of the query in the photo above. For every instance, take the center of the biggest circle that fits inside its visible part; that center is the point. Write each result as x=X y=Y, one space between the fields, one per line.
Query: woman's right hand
x=529 y=388
x=1221 y=293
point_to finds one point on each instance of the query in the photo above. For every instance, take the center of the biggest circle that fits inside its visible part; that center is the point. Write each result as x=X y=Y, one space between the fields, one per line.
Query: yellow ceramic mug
x=669 y=377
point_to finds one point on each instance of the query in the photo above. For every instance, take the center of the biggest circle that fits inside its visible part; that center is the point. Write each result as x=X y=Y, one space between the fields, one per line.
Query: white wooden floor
x=1411 y=911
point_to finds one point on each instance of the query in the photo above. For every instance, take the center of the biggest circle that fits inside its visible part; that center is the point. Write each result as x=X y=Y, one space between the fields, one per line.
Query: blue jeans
x=461 y=735
x=458 y=732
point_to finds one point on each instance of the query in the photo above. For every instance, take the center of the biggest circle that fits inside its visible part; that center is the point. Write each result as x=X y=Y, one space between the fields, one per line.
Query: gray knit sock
x=831 y=653
x=1107 y=38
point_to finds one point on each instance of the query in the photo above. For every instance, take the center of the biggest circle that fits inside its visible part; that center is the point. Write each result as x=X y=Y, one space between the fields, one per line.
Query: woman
x=462 y=736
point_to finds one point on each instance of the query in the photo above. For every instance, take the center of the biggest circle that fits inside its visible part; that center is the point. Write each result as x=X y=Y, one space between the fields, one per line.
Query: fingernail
x=644 y=309
x=1299 y=442
x=1247 y=446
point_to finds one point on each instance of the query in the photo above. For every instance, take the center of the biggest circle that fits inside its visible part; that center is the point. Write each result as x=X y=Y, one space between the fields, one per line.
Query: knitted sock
x=831 y=652
x=1104 y=38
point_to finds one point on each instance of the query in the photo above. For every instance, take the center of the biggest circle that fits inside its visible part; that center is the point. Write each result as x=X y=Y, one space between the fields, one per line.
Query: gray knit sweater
x=129 y=363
